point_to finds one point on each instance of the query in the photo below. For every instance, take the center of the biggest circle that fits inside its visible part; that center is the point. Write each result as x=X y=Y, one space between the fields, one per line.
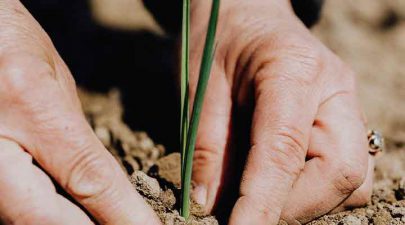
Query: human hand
x=41 y=112
x=308 y=145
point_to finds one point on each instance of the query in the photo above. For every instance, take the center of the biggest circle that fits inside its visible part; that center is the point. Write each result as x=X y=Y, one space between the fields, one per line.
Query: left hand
x=41 y=120
x=309 y=152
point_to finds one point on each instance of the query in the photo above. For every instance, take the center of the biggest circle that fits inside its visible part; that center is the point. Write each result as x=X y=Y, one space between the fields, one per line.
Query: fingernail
x=200 y=194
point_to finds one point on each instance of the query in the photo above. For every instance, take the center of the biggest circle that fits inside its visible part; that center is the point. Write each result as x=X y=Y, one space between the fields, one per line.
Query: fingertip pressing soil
x=367 y=34
x=157 y=177
x=164 y=201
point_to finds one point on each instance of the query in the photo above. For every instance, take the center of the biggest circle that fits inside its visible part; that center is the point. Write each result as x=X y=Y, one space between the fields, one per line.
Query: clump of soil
x=155 y=176
x=369 y=35
x=161 y=196
x=133 y=150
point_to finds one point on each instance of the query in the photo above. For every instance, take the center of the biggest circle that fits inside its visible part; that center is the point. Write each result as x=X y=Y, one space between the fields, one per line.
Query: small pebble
x=168 y=199
x=397 y=211
x=145 y=184
x=382 y=218
x=282 y=222
x=169 y=169
x=369 y=212
x=351 y=220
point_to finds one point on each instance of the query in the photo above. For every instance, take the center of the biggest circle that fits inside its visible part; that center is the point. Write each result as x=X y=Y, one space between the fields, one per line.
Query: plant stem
x=205 y=70
x=184 y=79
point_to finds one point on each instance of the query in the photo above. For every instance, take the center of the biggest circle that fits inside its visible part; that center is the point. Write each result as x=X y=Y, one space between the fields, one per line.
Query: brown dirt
x=155 y=176
x=370 y=36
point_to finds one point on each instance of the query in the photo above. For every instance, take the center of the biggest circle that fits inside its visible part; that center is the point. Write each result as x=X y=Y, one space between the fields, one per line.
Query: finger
x=92 y=176
x=362 y=195
x=28 y=195
x=212 y=138
x=54 y=131
x=283 y=117
x=339 y=147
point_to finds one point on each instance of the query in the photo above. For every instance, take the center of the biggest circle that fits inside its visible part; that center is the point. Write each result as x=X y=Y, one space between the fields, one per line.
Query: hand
x=41 y=112
x=308 y=154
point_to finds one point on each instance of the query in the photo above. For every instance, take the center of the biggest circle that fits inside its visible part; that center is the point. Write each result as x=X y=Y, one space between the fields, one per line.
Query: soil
x=370 y=36
x=155 y=176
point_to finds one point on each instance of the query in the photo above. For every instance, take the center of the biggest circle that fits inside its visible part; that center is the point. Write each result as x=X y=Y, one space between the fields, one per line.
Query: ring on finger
x=375 y=142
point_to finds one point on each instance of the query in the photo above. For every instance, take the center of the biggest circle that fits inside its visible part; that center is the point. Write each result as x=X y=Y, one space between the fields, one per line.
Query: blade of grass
x=205 y=70
x=184 y=79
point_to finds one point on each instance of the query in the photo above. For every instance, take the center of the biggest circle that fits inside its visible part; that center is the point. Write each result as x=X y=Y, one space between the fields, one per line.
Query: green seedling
x=189 y=126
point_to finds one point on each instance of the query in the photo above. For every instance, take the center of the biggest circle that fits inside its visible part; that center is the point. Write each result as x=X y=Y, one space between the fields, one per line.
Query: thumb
x=212 y=138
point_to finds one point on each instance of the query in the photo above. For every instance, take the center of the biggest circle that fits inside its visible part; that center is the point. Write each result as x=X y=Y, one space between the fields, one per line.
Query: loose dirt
x=368 y=35
x=155 y=176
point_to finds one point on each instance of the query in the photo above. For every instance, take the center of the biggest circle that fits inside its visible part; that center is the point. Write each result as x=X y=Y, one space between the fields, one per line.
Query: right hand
x=41 y=119
x=279 y=90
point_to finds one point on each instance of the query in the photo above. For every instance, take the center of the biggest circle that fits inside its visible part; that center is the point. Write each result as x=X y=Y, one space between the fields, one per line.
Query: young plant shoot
x=189 y=126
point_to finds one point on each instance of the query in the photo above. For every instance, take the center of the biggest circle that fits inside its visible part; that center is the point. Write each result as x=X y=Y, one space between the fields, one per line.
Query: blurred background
x=119 y=44
x=370 y=36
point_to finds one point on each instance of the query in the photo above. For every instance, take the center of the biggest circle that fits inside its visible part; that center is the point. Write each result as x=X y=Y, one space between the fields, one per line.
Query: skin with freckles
x=308 y=152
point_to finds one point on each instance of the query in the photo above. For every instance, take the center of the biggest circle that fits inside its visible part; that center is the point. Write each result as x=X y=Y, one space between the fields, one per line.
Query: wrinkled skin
x=308 y=144
x=304 y=107
x=41 y=119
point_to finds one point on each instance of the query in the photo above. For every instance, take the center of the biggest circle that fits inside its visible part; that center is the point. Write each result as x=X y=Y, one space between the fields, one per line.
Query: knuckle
x=304 y=55
x=288 y=150
x=90 y=176
x=297 y=64
x=301 y=58
x=288 y=155
x=19 y=73
x=348 y=178
x=206 y=156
